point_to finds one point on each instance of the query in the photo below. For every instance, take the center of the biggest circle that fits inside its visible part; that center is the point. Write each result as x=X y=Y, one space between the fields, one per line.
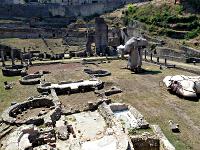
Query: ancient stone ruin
x=101 y=35
x=32 y=79
x=44 y=109
x=111 y=127
x=97 y=73
x=71 y=87
x=133 y=47
x=16 y=70
x=185 y=86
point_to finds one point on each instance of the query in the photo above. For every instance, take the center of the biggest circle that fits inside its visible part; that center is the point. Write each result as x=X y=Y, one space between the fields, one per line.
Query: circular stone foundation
x=31 y=79
x=30 y=112
x=16 y=70
x=97 y=73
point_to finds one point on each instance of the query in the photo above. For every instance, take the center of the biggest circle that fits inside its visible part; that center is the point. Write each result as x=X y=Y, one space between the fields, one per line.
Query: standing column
x=12 y=57
x=21 y=57
x=29 y=53
x=2 y=58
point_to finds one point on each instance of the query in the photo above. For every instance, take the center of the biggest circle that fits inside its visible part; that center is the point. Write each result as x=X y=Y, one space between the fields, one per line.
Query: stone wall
x=190 y=52
x=171 y=54
x=10 y=114
x=145 y=142
x=56 y=9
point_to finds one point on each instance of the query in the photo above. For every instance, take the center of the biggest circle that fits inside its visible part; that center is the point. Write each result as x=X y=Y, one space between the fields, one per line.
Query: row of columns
x=151 y=58
x=13 y=58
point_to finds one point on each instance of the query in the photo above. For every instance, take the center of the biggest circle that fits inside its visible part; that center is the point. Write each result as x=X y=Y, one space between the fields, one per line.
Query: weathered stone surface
x=121 y=137
x=145 y=142
x=113 y=90
x=164 y=142
x=97 y=73
x=186 y=86
x=133 y=48
x=62 y=133
x=174 y=127
x=13 y=70
x=71 y=87
x=19 y=138
x=9 y=115
x=101 y=38
x=31 y=79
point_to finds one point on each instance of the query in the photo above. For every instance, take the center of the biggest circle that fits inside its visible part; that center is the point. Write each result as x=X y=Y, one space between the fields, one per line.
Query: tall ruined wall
x=56 y=9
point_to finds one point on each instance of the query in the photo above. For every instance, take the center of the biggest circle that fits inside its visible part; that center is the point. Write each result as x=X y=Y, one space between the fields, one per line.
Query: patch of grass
x=156 y=104
x=162 y=19
x=192 y=34
x=134 y=131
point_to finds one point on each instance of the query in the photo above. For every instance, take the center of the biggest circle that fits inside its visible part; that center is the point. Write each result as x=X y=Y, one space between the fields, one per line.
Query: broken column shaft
x=101 y=36
x=12 y=57
x=2 y=57
x=21 y=57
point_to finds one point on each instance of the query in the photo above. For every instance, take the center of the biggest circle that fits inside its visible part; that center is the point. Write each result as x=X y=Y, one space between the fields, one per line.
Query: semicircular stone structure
x=48 y=109
x=31 y=79
x=15 y=70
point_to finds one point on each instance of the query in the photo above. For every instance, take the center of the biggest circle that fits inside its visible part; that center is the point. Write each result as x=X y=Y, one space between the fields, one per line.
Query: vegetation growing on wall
x=164 y=20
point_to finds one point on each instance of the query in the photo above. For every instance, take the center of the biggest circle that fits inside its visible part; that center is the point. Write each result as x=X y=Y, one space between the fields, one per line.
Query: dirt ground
x=143 y=91
x=30 y=113
x=77 y=100
x=147 y=93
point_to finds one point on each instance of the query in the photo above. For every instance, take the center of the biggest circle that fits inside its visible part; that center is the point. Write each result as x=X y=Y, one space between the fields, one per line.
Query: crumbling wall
x=145 y=142
x=190 y=52
x=10 y=114
x=171 y=54
x=164 y=142
x=122 y=138
x=50 y=10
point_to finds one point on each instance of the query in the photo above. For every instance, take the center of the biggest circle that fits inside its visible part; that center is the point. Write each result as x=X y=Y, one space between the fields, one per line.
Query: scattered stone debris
x=174 y=127
x=186 y=86
x=7 y=86
x=32 y=79
x=109 y=92
x=97 y=73
x=73 y=131
x=113 y=90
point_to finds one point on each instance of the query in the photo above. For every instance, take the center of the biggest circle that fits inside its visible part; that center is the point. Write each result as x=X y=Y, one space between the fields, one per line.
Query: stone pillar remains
x=124 y=35
x=29 y=53
x=2 y=57
x=90 y=40
x=12 y=57
x=21 y=57
x=101 y=37
x=134 y=48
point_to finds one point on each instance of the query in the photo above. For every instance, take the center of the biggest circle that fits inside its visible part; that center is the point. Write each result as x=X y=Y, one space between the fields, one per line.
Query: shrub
x=192 y=34
x=131 y=8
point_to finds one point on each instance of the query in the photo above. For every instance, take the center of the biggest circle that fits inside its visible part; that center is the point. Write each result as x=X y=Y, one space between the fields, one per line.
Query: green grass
x=156 y=104
x=18 y=93
x=164 y=19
